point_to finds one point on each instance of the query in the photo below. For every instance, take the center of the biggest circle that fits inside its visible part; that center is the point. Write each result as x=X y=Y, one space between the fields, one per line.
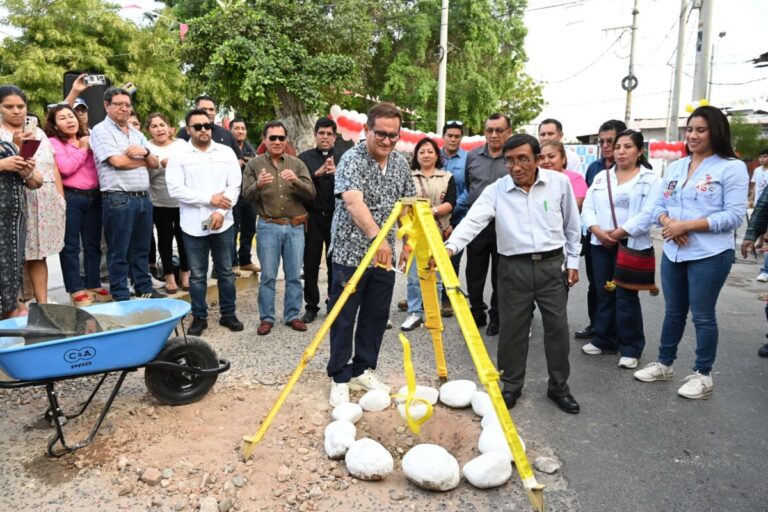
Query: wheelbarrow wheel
x=179 y=387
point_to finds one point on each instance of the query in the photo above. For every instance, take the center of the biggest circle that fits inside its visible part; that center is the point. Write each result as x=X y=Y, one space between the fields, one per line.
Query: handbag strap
x=610 y=198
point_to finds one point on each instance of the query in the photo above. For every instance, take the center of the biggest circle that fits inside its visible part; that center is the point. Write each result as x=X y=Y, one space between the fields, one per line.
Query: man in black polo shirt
x=220 y=135
x=321 y=162
x=245 y=215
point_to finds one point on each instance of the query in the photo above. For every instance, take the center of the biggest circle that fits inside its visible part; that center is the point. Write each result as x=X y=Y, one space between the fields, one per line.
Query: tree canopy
x=89 y=36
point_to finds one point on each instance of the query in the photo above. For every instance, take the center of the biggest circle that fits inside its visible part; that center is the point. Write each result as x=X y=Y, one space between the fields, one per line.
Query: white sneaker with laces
x=339 y=394
x=412 y=322
x=591 y=349
x=762 y=277
x=654 y=371
x=367 y=381
x=696 y=387
x=628 y=362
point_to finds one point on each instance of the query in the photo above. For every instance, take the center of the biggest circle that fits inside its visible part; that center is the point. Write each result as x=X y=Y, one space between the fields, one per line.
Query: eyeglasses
x=198 y=127
x=120 y=104
x=381 y=135
x=498 y=130
x=603 y=142
x=522 y=161
x=273 y=138
x=452 y=122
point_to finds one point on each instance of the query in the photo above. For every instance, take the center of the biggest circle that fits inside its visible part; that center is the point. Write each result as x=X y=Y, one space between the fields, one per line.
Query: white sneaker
x=412 y=322
x=654 y=371
x=339 y=394
x=762 y=277
x=366 y=382
x=697 y=386
x=389 y=324
x=591 y=349
x=628 y=362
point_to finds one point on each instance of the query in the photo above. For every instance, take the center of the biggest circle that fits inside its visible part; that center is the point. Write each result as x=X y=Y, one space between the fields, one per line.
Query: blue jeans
x=415 y=302
x=219 y=246
x=274 y=241
x=618 y=319
x=764 y=268
x=83 y=224
x=696 y=285
x=127 y=229
x=369 y=308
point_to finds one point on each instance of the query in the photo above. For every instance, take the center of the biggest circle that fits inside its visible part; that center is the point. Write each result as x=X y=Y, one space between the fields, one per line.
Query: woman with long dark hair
x=16 y=173
x=620 y=212
x=72 y=151
x=165 y=211
x=702 y=202
x=45 y=205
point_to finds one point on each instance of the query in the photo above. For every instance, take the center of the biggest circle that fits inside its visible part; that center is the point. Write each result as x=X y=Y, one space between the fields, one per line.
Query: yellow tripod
x=425 y=239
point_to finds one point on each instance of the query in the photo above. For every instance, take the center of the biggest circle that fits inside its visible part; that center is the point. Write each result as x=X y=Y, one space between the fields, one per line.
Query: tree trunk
x=300 y=124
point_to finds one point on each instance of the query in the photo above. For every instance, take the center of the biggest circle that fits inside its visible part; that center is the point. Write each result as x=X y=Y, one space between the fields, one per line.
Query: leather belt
x=284 y=221
x=80 y=192
x=538 y=256
x=108 y=193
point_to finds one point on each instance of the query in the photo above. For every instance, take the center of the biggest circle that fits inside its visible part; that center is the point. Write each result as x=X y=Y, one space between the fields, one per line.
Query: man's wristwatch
x=147 y=154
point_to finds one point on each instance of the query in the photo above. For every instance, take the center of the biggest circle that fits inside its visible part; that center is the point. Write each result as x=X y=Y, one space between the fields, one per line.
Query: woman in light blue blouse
x=702 y=202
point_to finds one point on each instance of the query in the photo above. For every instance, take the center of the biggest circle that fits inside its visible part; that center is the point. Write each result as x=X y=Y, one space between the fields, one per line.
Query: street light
x=712 y=66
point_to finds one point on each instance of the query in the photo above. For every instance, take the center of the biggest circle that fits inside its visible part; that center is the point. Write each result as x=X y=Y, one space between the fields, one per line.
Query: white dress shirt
x=193 y=176
x=540 y=220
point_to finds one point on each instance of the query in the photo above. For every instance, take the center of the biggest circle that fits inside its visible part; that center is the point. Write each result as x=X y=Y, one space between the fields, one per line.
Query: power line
x=588 y=65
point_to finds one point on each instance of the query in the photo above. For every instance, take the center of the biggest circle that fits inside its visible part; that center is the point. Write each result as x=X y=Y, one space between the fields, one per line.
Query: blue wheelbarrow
x=116 y=337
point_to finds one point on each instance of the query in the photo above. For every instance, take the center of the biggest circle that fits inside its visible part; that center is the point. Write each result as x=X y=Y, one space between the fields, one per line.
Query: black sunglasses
x=202 y=126
x=273 y=138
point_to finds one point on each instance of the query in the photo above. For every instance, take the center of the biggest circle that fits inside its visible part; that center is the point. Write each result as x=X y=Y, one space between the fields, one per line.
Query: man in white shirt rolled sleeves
x=205 y=177
x=538 y=229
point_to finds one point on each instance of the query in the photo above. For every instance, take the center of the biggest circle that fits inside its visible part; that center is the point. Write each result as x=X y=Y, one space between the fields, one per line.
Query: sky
x=583 y=89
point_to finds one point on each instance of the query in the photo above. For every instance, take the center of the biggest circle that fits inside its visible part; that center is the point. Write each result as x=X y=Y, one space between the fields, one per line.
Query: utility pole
x=703 y=50
x=443 y=66
x=674 y=111
x=712 y=68
x=631 y=79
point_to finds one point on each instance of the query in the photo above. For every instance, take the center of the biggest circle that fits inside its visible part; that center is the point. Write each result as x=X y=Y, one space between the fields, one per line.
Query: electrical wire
x=588 y=65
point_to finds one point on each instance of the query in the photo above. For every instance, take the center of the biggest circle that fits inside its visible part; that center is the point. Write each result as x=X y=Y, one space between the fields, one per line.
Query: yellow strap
x=410 y=398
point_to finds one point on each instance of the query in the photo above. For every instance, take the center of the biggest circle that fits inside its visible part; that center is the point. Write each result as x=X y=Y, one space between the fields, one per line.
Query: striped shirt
x=108 y=140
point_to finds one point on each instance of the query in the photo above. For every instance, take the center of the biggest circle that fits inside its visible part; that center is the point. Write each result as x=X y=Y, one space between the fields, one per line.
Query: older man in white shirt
x=205 y=177
x=538 y=229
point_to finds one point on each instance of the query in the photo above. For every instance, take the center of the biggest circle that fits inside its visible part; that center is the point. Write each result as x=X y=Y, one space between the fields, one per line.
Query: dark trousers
x=318 y=234
x=591 y=291
x=128 y=229
x=480 y=251
x=244 y=230
x=523 y=282
x=199 y=248
x=369 y=307
x=618 y=319
x=83 y=223
x=169 y=228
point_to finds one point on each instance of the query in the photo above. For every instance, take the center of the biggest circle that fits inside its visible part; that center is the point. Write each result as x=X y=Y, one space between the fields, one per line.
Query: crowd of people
x=517 y=204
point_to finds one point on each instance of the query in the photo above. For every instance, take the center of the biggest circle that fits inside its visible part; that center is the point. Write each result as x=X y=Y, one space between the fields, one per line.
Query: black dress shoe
x=763 y=352
x=232 y=323
x=493 y=329
x=309 y=316
x=197 y=326
x=480 y=320
x=566 y=403
x=586 y=333
x=510 y=399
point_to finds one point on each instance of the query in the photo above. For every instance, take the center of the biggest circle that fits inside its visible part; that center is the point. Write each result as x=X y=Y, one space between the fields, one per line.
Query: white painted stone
x=427 y=393
x=368 y=460
x=489 y=470
x=348 y=412
x=431 y=467
x=339 y=436
x=547 y=464
x=417 y=409
x=481 y=403
x=492 y=440
x=457 y=393
x=375 y=400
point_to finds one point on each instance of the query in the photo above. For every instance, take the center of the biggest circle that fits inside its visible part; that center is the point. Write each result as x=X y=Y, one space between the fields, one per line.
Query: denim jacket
x=597 y=209
x=717 y=191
